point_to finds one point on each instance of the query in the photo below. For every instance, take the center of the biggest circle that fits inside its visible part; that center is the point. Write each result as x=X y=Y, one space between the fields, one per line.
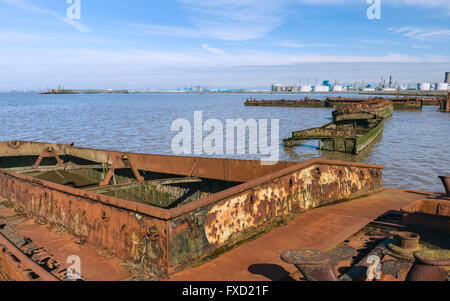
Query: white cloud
x=443 y=4
x=24 y=5
x=421 y=33
x=221 y=32
x=240 y=20
x=232 y=20
x=213 y=50
x=290 y=44
x=427 y=4
x=235 y=19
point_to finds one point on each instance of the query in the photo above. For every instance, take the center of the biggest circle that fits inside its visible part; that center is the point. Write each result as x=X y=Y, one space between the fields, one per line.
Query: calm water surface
x=414 y=147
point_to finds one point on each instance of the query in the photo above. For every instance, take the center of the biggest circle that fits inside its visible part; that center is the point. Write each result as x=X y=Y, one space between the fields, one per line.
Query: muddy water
x=414 y=146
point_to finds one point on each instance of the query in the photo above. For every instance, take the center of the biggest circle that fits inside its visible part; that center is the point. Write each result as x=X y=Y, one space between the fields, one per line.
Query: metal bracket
x=113 y=167
x=48 y=152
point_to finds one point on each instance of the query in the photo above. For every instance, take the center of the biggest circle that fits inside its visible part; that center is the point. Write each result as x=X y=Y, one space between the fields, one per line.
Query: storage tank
x=305 y=89
x=441 y=87
x=319 y=88
x=424 y=86
x=337 y=88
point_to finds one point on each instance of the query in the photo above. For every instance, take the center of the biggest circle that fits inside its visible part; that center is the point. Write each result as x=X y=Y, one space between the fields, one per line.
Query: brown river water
x=414 y=147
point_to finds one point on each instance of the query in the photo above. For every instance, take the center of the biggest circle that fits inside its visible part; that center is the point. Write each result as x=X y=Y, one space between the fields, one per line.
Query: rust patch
x=312 y=187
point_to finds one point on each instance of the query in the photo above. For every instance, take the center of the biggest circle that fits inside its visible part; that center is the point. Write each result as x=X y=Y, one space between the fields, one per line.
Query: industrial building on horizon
x=362 y=86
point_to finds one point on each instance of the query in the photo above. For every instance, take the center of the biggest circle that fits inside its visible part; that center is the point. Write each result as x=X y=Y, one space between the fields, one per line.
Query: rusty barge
x=307 y=102
x=354 y=127
x=400 y=103
x=445 y=103
x=157 y=214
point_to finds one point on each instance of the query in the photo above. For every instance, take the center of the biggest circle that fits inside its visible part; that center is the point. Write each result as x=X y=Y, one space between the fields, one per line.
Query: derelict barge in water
x=354 y=127
x=400 y=103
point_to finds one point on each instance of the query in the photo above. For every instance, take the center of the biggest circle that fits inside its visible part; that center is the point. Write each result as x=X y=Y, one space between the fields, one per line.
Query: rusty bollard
x=313 y=264
x=407 y=244
x=409 y=240
x=429 y=266
x=446 y=181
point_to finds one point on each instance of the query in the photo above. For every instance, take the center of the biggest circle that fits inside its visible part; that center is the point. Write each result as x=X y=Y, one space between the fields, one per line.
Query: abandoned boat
x=307 y=102
x=400 y=103
x=354 y=127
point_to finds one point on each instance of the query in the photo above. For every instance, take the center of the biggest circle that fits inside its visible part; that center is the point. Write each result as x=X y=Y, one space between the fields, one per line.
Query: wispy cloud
x=230 y=33
x=240 y=20
x=213 y=50
x=443 y=5
x=26 y=6
x=290 y=44
x=232 y=20
x=235 y=19
x=421 y=33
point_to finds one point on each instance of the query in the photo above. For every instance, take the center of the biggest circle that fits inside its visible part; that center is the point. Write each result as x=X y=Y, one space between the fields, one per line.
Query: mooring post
x=313 y=264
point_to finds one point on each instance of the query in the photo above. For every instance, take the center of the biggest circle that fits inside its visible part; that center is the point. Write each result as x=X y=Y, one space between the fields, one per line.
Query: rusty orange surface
x=169 y=240
x=259 y=260
x=322 y=228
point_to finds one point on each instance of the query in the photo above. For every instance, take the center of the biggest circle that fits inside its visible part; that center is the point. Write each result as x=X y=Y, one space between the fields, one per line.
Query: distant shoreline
x=393 y=93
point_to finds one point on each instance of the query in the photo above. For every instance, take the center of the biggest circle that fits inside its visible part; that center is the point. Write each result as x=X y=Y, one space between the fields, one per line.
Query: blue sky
x=139 y=44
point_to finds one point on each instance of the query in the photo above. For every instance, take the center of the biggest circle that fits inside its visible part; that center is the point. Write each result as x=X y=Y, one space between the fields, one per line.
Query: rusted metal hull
x=163 y=241
x=371 y=109
x=339 y=139
x=446 y=181
x=436 y=101
x=445 y=103
x=355 y=126
x=400 y=103
x=311 y=103
x=426 y=211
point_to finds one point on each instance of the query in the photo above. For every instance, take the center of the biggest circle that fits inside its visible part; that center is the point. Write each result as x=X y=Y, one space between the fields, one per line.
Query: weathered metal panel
x=197 y=235
x=307 y=102
x=445 y=103
x=110 y=230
